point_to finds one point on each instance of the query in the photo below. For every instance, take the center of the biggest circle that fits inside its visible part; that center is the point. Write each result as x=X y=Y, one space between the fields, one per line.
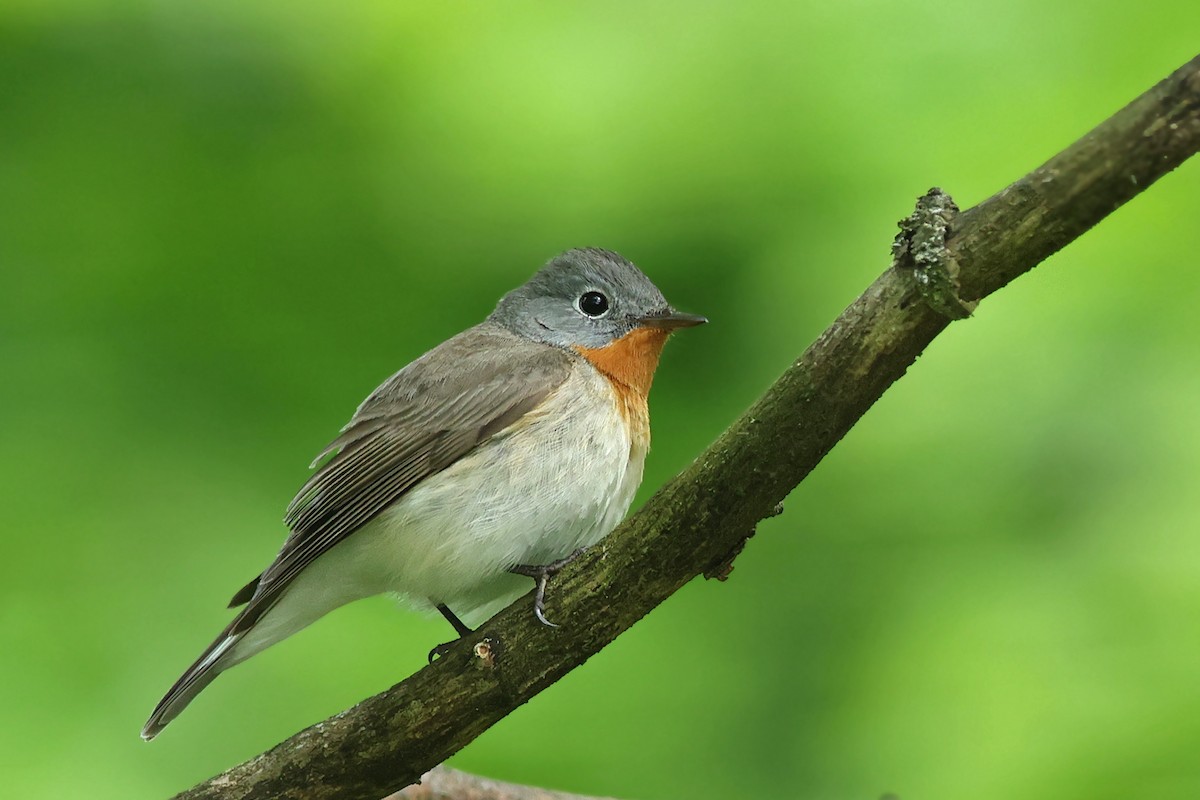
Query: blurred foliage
x=222 y=224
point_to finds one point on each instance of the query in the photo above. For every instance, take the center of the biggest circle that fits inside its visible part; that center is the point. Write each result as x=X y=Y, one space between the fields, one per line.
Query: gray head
x=589 y=298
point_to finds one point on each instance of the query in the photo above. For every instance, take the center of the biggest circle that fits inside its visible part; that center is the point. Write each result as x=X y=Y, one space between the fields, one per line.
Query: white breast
x=561 y=478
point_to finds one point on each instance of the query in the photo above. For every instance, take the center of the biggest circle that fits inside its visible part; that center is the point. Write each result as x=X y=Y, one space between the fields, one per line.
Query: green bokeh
x=222 y=224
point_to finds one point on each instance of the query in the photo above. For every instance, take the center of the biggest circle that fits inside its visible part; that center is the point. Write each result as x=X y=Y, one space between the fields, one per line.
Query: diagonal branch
x=697 y=523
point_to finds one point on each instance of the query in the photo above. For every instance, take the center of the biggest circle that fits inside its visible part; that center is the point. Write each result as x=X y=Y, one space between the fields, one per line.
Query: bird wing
x=420 y=421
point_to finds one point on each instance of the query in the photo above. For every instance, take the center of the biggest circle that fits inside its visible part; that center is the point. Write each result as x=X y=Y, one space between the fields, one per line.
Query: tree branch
x=696 y=524
x=443 y=783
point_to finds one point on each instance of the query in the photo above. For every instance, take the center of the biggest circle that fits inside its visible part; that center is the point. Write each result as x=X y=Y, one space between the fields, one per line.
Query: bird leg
x=541 y=574
x=460 y=628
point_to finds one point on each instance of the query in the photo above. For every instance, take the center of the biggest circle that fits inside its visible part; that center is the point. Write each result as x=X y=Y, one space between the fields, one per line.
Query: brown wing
x=420 y=421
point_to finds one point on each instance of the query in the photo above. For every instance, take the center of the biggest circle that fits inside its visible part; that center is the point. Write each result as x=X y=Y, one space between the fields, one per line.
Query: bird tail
x=215 y=659
x=269 y=617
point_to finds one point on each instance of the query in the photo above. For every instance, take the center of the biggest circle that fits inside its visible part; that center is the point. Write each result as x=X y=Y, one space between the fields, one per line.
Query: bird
x=495 y=457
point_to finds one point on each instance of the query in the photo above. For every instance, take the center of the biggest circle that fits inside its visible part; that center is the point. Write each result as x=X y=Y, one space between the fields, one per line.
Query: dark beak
x=671 y=319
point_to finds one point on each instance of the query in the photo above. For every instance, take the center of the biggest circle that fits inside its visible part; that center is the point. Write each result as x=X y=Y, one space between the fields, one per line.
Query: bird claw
x=539 y=601
x=442 y=649
x=541 y=574
x=459 y=626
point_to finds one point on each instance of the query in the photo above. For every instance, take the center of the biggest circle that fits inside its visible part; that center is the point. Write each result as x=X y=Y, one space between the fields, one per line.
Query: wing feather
x=420 y=421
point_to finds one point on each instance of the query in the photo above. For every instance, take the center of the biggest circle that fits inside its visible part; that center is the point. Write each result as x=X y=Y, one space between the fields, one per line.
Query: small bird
x=495 y=457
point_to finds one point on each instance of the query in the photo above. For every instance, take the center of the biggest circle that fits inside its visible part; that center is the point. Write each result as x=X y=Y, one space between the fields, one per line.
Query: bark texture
x=945 y=262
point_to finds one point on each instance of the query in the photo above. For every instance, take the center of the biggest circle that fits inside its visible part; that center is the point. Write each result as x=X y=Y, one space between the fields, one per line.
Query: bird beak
x=671 y=319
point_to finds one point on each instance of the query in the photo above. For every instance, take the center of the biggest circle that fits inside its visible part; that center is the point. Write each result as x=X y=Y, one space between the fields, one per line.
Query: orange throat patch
x=630 y=360
x=629 y=364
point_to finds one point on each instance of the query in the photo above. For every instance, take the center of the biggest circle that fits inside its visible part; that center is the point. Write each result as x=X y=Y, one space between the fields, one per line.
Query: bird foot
x=541 y=574
x=442 y=649
x=460 y=628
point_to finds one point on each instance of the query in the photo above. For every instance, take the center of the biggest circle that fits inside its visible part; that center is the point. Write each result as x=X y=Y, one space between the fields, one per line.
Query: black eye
x=593 y=304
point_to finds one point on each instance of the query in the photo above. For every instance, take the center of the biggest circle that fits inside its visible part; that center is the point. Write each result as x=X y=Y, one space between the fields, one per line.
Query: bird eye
x=593 y=304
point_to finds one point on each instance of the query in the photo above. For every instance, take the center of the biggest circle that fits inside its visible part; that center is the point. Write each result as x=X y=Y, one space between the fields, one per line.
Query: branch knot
x=920 y=249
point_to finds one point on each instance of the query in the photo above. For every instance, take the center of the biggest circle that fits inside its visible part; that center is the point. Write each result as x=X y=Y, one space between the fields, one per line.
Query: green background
x=223 y=223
